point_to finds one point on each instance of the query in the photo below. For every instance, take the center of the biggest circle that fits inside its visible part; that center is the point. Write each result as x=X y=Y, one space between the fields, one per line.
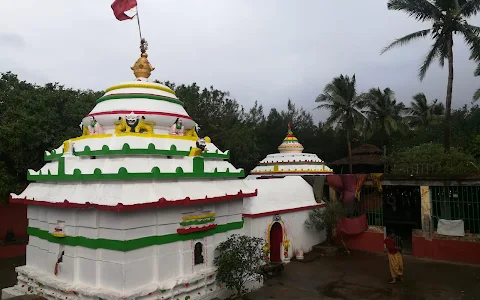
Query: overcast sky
x=268 y=50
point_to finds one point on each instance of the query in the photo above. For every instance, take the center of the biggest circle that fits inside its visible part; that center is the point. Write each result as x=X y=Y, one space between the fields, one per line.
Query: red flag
x=121 y=6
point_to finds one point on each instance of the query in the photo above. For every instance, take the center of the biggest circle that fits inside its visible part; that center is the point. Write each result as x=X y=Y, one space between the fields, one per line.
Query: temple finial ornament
x=142 y=67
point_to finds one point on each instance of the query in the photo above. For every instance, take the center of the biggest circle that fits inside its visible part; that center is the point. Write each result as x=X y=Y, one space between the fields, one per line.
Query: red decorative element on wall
x=162 y=202
x=282 y=211
x=195 y=229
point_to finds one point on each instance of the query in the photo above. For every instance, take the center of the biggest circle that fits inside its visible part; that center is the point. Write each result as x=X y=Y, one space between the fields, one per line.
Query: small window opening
x=198 y=254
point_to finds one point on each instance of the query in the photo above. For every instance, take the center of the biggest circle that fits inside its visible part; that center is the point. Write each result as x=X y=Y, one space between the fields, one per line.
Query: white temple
x=290 y=161
x=135 y=207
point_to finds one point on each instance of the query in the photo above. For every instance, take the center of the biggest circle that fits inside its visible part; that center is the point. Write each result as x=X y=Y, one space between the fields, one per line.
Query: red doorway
x=276 y=239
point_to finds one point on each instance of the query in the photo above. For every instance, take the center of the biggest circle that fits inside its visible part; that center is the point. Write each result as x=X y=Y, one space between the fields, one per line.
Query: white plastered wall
x=117 y=270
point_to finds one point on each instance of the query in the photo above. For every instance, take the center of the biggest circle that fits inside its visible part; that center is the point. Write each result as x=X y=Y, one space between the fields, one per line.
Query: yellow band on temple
x=140 y=85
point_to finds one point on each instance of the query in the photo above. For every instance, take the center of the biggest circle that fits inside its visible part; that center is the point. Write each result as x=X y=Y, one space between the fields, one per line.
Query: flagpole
x=139 y=28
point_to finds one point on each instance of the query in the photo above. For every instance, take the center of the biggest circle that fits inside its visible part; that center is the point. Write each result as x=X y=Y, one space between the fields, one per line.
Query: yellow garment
x=395 y=262
x=376 y=181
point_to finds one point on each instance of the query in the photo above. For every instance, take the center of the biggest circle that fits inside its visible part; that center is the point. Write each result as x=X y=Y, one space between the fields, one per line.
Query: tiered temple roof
x=290 y=161
x=139 y=149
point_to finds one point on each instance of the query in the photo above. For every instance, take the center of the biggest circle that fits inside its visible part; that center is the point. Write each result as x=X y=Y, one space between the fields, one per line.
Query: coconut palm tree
x=447 y=18
x=341 y=98
x=476 y=96
x=383 y=110
x=422 y=113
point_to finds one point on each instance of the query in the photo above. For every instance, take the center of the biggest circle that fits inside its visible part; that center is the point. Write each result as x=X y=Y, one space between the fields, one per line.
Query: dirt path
x=365 y=276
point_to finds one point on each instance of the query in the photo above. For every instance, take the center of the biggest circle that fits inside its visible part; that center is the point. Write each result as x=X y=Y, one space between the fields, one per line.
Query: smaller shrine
x=290 y=161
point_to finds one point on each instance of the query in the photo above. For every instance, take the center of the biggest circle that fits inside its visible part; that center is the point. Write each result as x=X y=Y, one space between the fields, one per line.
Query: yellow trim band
x=140 y=85
x=205 y=216
x=292 y=171
x=143 y=135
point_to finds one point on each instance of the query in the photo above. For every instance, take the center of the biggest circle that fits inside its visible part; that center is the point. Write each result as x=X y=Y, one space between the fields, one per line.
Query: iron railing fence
x=371 y=204
x=457 y=203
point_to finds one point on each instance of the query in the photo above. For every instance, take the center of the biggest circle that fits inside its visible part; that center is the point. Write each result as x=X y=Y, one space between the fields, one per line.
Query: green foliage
x=422 y=113
x=430 y=158
x=33 y=119
x=238 y=261
x=326 y=218
x=383 y=111
x=474 y=148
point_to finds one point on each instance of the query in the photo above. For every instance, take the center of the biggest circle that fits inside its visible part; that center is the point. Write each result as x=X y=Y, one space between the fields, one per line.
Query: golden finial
x=142 y=67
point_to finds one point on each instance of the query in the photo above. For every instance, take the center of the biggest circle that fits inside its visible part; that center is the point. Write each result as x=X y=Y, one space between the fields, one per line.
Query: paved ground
x=366 y=276
x=356 y=276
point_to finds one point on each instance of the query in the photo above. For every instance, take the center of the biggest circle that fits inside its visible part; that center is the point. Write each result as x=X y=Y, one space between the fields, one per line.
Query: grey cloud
x=12 y=40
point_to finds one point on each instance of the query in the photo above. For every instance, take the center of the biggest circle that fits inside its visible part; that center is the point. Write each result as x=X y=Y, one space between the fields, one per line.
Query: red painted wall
x=447 y=250
x=365 y=241
x=13 y=216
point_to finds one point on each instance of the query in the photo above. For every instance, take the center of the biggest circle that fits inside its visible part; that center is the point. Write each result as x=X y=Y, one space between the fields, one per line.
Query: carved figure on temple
x=93 y=127
x=201 y=147
x=134 y=123
x=177 y=128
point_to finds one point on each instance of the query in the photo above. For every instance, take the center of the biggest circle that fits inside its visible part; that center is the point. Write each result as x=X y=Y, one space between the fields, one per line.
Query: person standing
x=395 y=260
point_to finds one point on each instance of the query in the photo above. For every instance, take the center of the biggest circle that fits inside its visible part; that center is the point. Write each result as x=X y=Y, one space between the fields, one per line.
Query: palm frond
x=477 y=71
x=335 y=118
x=434 y=52
x=470 y=8
x=406 y=39
x=472 y=39
x=421 y=10
x=326 y=106
x=476 y=96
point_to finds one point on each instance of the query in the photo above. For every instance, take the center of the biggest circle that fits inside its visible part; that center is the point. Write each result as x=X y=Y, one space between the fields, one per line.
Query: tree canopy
x=36 y=118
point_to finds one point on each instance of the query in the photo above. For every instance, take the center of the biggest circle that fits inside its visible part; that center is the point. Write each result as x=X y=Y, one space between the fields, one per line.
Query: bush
x=326 y=218
x=238 y=262
x=431 y=159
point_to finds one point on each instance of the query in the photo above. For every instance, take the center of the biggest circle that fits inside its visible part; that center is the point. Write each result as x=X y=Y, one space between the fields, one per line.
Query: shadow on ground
x=366 y=276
